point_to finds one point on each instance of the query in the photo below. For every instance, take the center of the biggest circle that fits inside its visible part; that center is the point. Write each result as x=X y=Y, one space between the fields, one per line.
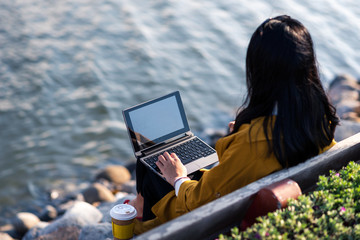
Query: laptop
x=161 y=125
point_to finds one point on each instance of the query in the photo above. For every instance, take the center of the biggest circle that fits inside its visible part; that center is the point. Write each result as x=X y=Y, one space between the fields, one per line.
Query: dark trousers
x=153 y=188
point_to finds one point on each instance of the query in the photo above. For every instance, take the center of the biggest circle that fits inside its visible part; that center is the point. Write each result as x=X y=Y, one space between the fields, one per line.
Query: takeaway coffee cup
x=122 y=217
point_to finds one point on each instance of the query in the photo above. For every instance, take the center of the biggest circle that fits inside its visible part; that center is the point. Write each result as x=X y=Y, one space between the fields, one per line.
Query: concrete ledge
x=208 y=220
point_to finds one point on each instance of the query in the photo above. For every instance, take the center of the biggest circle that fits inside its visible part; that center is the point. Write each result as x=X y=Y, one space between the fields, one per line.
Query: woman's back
x=283 y=79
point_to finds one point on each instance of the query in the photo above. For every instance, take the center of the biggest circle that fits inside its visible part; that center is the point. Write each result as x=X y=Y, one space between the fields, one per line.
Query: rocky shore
x=84 y=213
x=344 y=93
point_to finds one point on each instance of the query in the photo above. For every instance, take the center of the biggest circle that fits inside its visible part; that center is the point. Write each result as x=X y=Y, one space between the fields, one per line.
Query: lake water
x=68 y=68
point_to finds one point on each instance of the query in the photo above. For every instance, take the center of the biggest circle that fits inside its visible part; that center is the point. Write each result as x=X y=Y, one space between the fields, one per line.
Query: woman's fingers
x=160 y=162
x=171 y=167
x=175 y=157
x=163 y=160
x=167 y=156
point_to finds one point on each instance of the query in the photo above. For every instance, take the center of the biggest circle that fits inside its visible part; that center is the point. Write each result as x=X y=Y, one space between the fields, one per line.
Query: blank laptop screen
x=155 y=121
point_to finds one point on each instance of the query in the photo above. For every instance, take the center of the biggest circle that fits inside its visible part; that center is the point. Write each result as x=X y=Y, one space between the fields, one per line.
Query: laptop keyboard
x=187 y=152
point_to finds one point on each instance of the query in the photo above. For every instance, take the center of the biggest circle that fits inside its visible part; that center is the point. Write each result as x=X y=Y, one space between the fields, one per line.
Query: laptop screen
x=155 y=121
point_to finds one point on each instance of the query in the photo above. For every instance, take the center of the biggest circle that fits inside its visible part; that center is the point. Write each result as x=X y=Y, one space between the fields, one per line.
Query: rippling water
x=68 y=68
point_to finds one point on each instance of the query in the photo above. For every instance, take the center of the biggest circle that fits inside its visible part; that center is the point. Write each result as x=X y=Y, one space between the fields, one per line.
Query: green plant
x=332 y=211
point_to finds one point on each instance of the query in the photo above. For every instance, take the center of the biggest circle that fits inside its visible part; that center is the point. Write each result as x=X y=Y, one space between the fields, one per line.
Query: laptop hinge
x=166 y=144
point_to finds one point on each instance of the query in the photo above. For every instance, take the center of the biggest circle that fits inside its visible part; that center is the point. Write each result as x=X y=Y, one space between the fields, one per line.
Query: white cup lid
x=123 y=212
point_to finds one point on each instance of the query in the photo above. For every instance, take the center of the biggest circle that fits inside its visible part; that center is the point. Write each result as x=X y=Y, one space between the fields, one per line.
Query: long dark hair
x=282 y=75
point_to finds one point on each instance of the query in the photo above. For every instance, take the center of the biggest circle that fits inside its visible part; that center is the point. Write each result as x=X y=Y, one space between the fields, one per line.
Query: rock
x=344 y=94
x=62 y=233
x=122 y=195
x=48 y=213
x=84 y=212
x=214 y=135
x=114 y=173
x=132 y=169
x=98 y=193
x=346 y=129
x=105 y=207
x=10 y=230
x=343 y=82
x=23 y=221
x=69 y=225
x=62 y=208
x=7 y=228
x=129 y=187
x=34 y=232
x=96 y=231
x=5 y=236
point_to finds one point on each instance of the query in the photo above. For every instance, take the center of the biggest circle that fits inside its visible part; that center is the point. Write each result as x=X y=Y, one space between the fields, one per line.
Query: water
x=68 y=68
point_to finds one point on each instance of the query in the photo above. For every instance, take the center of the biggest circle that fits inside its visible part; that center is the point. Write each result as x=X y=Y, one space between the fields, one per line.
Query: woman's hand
x=231 y=126
x=138 y=204
x=171 y=167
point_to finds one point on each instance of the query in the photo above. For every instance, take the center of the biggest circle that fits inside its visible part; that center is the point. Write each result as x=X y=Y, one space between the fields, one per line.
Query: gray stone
x=62 y=208
x=98 y=193
x=129 y=187
x=96 y=231
x=62 y=233
x=23 y=221
x=115 y=173
x=48 y=213
x=5 y=236
x=10 y=230
x=7 y=228
x=344 y=94
x=34 y=232
x=70 y=224
x=105 y=208
x=346 y=129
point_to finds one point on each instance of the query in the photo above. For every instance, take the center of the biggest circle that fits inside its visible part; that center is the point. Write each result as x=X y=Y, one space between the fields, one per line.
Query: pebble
x=5 y=236
x=48 y=213
x=116 y=174
x=344 y=94
x=61 y=233
x=129 y=187
x=23 y=221
x=98 y=193
x=34 y=232
x=70 y=224
x=96 y=231
x=346 y=129
x=9 y=229
x=105 y=207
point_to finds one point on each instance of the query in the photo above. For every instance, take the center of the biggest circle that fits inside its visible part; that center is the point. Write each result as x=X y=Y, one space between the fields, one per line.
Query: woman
x=286 y=119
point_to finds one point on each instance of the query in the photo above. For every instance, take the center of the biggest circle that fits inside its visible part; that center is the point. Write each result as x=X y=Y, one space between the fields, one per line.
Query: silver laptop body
x=161 y=125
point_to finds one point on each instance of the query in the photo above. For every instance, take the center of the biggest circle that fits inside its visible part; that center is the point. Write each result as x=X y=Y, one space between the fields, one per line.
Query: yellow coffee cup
x=122 y=217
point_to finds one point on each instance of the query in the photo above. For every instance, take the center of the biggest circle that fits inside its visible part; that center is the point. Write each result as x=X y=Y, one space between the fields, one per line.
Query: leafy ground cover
x=332 y=211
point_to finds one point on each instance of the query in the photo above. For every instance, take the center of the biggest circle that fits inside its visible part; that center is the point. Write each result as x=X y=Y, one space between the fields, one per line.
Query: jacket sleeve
x=231 y=174
x=234 y=171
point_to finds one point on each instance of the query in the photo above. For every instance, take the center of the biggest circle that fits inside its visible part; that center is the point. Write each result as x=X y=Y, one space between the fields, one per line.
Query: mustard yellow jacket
x=243 y=158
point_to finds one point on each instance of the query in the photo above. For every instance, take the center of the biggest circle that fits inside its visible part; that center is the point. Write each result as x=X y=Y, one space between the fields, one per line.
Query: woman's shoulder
x=253 y=131
x=248 y=133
